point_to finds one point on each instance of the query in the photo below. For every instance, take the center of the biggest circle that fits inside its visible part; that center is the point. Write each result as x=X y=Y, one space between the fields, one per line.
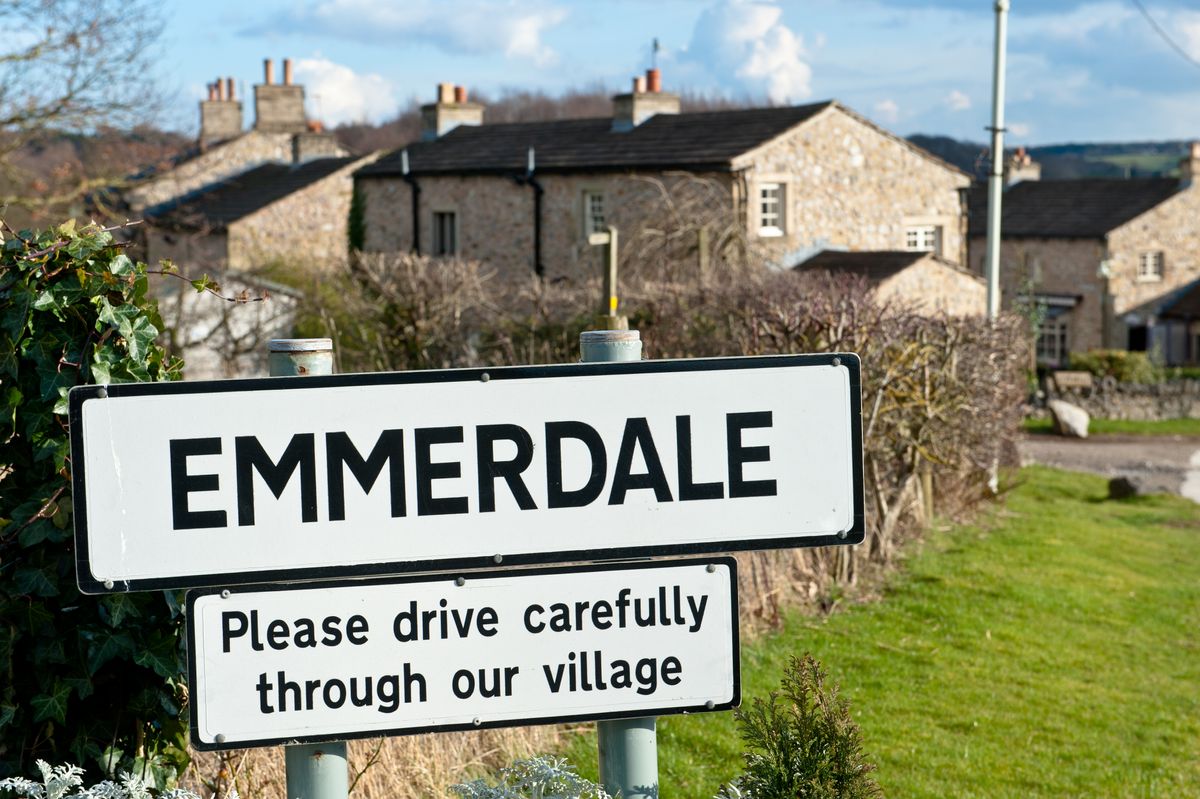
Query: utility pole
x=996 y=177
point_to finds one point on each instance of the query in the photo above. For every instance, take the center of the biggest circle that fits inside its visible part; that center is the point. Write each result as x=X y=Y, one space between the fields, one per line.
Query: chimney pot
x=653 y=81
x=212 y=92
x=287 y=72
x=445 y=92
x=268 y=71
x=460 y=94
x=218 y=90
x=639 y=85
x=229 y=90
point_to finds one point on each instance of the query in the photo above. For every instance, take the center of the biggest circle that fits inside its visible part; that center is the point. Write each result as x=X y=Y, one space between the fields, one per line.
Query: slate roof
x=1072 y=209
x=710 y=139
x=215 y=207
x=875 y=265
x=1185 y=304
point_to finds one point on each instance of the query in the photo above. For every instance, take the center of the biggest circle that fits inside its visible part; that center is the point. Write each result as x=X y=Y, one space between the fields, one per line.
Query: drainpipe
x=416 y=201
x=528 y=179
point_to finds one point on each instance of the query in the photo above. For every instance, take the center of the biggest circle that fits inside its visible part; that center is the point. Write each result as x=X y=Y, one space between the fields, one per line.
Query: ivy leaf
x=106 y=646
x=7 y=714
x=121 y=265
x=162 y=656
x=115 y=608
x=140 y=338
x=53 y=705
x=35 y=582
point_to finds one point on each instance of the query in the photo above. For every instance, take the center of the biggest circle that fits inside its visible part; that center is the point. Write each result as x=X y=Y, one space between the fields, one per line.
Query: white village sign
x=276 y=664
x=226 y=482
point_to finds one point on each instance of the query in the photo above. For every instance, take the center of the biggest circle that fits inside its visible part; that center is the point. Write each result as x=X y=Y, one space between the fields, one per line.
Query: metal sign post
x=628 y=748
x=314 y=771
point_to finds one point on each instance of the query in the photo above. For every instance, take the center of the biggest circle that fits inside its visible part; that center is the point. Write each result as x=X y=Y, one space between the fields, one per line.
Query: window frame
x=437 y=246
x=589 y=226
x=780 y=213
x=923 y=233
x=1053 y=343
x=1157 y=261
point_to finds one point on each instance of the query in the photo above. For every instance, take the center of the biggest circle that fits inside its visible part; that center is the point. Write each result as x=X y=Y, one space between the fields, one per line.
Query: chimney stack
x=1189 y=167
x=220 y=114
x=279 y=108
x=645 y=101
x=451 y=110
x=1020 y=166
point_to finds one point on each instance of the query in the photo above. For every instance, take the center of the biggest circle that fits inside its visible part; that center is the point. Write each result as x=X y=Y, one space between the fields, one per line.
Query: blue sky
x=1078 y=71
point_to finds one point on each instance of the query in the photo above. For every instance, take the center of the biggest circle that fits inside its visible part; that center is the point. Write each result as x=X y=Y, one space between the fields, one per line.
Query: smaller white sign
x=329 y=661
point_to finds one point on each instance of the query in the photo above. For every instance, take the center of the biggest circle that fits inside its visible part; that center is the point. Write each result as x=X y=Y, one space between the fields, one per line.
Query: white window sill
x=1149 y=278
x=769 y=232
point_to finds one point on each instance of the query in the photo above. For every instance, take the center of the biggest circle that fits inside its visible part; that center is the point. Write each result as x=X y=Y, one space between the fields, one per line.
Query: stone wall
x=307 y=227
x=1176 y=399
x=934 y=286
x=216 y=163
x=1055 y=266
x=194 y=253
x=850 y=185
x=495 y=217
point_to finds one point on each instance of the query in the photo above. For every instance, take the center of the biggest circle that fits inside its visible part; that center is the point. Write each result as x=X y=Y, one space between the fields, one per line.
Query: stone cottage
x=281 y=133
x=274 y=214
x=526 y=198
x=918 y=280
x=1102 y=261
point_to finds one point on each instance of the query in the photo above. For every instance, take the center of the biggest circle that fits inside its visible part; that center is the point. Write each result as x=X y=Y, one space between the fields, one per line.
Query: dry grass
x=383 y=768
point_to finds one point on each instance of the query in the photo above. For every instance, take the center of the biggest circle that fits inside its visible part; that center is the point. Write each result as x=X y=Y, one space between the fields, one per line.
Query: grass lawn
x=1054 y=652
x=1099 y=427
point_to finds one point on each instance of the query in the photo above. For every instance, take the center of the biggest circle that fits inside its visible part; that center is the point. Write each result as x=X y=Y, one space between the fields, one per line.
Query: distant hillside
x=1119 y=160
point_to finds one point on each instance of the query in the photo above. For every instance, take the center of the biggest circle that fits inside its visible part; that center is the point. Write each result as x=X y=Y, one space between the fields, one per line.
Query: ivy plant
x=95 y=680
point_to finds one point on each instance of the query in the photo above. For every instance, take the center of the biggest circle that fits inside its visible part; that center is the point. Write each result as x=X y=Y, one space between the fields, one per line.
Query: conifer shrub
x=801 y=743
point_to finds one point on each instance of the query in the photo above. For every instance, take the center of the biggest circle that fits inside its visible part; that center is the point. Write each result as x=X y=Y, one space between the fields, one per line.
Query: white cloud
x=887 y=111
x=957 y=101
x=456 y=26
x=337 y=94
x=1187 y=25
x=1077 y=24
x=1019 y=128
x=745 y=45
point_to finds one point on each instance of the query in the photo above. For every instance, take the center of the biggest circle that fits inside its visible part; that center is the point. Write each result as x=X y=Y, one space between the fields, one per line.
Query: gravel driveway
x=1171 y=464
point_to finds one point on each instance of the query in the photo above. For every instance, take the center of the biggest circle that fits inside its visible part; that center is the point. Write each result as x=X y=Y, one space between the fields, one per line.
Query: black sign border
x=193 y=694
x=88 y=584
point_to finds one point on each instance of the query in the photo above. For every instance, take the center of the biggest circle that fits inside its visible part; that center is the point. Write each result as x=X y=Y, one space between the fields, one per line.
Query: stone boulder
x=1069 y=420
x=1125 y=486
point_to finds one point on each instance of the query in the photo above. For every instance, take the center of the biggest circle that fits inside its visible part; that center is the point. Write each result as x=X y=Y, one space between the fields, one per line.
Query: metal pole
x=996 y=178
x=314 y=771
x=628 y=748
x=610 y=275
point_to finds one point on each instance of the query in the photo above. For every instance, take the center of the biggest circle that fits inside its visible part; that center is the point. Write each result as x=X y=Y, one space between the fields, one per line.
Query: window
x=1139 y=338
x=770 y=209
x=923 y=238
x=445 y=233
x=1150 y=265
x=1052 y=341
x=593 y=213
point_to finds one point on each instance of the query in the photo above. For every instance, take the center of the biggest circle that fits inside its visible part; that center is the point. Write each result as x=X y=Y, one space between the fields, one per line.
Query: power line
x=1165 y=36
